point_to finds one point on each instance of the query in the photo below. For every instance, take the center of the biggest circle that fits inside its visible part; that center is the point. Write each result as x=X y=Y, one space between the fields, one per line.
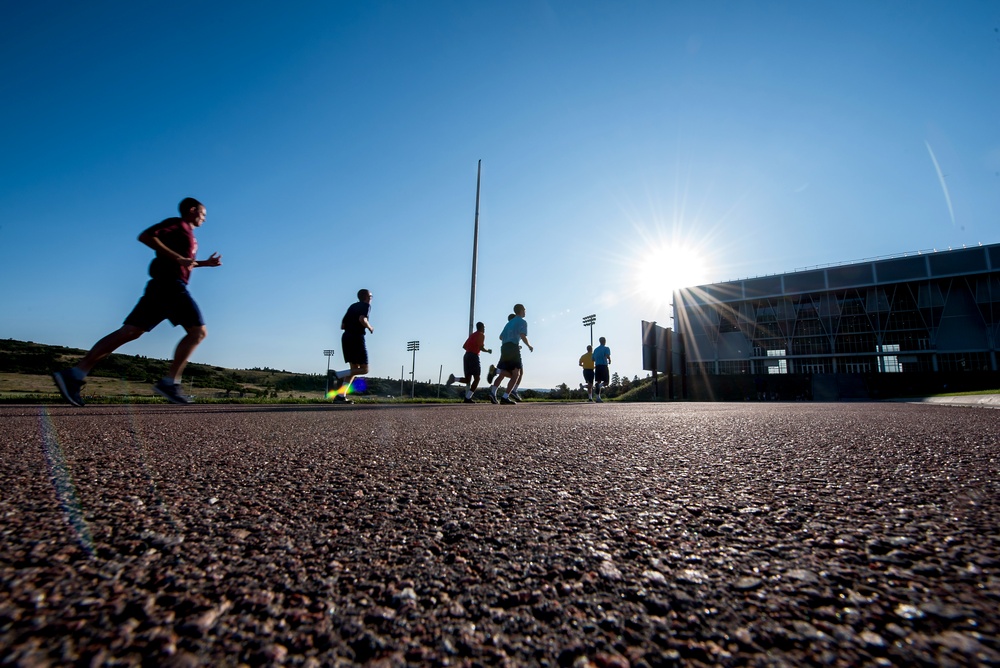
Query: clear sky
x=628 y=148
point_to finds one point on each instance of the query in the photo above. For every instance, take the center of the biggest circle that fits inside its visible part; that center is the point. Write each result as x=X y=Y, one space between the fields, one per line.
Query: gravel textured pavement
x=538 y=534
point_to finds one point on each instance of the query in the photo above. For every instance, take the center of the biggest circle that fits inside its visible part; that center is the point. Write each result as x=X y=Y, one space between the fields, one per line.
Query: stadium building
x=911 y=324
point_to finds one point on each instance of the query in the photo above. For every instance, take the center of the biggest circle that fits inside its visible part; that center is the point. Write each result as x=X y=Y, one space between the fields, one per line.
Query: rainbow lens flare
x=62 y=482
x=357 y=385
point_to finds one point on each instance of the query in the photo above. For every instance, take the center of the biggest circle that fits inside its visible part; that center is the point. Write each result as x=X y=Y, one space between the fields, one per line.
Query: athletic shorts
x=471 y=365
x=588 y=375
x=601 y=374
x=510 y=357
x=165 y=300
x=354 y=349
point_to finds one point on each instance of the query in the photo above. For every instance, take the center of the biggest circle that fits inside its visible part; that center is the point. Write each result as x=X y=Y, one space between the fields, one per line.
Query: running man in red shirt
x=470 y=362
x=166 y=298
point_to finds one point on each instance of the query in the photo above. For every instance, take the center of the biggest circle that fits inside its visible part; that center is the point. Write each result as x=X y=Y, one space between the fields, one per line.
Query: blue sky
x=335 y=146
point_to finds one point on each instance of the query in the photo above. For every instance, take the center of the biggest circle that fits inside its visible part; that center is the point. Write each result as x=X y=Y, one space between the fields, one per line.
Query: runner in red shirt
x=166 y=298
x=470 y=362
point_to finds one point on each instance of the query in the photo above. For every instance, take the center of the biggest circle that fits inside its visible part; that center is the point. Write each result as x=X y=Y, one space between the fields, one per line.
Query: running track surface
x=541 y=534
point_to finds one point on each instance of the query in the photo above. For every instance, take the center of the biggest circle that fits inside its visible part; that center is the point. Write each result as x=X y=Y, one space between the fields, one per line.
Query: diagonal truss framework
x=926 y=313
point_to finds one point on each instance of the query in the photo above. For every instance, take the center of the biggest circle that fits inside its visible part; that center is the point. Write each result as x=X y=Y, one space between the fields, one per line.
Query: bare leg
x=108 y=345
x=356 y=370
x=185 y=349
x=501 y=374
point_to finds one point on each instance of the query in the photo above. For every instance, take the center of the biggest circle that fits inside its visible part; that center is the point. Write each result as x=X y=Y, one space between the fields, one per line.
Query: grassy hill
x=26 y=368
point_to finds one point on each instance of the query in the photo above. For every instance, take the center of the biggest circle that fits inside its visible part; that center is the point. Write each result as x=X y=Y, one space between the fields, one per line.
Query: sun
x=663 y=268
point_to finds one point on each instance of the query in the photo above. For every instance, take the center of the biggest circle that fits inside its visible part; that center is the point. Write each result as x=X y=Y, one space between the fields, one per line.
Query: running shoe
x=468 y=401
x=516 y=397
x=69 y=387
x=451 y=379
x=598 y=400
x=342 y=399
x=507 y=401
x=491 y=374
x=171 y=392
x=493 y=396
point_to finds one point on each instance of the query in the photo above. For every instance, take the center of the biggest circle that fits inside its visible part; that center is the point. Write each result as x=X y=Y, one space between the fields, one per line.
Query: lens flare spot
x=358 y=385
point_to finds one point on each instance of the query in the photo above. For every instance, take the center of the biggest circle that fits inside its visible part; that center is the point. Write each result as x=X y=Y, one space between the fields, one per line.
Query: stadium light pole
x=329 y=354
x=588 y=321
x=413 y=346
x=475 y=251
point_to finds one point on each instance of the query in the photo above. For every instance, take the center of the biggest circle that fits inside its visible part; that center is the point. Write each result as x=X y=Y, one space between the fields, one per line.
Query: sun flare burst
x=664 y=267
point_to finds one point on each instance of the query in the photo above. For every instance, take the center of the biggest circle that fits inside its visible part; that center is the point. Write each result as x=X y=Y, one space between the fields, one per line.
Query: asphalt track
x=579 y=535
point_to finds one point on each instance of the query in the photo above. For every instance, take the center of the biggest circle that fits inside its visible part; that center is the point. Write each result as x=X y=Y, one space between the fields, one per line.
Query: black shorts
x=471 y=365
x=588 y=375
x=510 y=357
x=165 y=300
x=354 y=349
x=601 y=374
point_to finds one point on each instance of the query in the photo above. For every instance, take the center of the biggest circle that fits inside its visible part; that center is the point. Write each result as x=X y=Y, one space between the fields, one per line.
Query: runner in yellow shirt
x=587 y=362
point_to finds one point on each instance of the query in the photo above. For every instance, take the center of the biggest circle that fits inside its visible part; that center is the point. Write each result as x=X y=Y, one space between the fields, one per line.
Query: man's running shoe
x=516 y=397
x=491 y=374
x=171 y=392
x=493 y=396
x=451 y=379
x=598 y=400
x=342 y=399
x=507 y=401
x=468 y=401
x=69 y=387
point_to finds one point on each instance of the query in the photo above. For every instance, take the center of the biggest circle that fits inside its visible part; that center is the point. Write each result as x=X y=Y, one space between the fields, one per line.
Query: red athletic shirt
x=474 y=343
x=178 y=236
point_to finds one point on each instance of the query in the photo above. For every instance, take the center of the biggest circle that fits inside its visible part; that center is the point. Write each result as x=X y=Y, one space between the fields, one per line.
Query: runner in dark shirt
x=354 y=323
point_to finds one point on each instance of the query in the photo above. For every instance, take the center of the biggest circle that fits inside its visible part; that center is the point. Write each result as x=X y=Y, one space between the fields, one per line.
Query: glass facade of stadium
x=923 y=322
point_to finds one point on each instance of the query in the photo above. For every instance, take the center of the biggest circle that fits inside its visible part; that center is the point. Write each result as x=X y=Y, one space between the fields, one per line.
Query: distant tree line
x=619 y=385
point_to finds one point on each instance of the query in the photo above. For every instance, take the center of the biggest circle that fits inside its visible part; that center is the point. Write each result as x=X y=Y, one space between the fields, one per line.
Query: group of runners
x=511 y=367
x=167 y=298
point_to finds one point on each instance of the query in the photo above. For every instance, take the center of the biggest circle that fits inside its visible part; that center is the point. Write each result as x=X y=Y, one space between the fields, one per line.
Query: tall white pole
x=475 y=252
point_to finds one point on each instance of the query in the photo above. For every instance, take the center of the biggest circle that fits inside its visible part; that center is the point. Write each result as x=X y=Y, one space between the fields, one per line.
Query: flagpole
x=475 y=252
